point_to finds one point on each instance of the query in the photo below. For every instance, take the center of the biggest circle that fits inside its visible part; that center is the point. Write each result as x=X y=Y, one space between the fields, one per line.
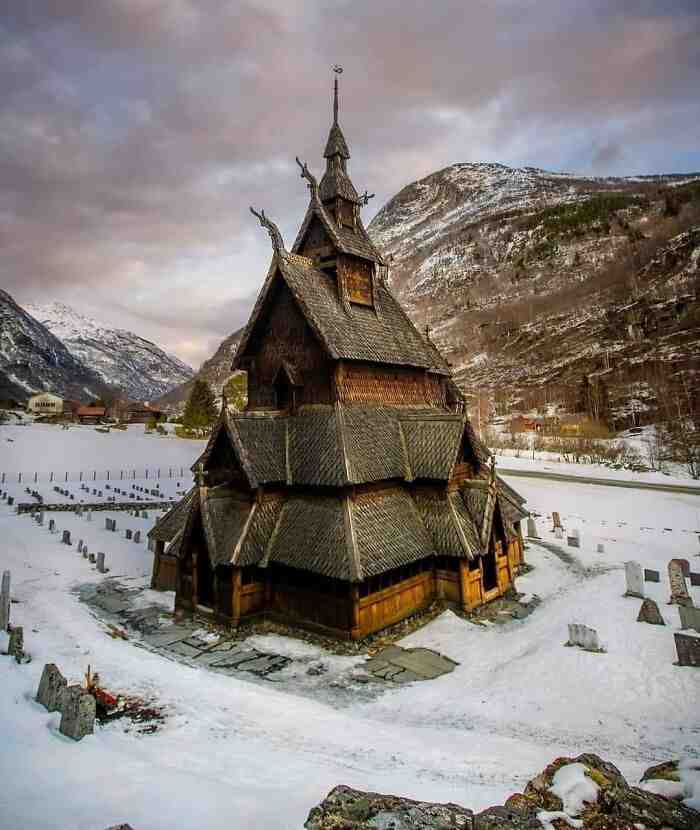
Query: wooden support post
x=236 y=597
x=355 y=630
x=195 y=597
x=464 y=584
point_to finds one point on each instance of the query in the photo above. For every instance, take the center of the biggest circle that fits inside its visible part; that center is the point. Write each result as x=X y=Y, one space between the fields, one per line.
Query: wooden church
x=352 y=491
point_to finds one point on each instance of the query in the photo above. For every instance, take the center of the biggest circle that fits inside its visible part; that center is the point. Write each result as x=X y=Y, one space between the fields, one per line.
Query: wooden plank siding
x=397 y=385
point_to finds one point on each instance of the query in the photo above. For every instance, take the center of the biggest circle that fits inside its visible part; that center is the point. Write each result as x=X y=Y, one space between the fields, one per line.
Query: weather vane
x=338 y=69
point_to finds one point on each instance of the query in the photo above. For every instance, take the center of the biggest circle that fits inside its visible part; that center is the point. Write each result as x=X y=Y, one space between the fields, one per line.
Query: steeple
x=336 y=183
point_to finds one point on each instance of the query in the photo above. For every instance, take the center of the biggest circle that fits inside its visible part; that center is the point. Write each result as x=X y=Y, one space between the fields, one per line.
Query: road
x=607 y=482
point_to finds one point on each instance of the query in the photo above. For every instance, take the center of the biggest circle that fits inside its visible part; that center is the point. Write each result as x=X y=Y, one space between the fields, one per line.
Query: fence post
x=146 y=473
x=107 y=475
x=158 y=472
x=3 y=478
x=81 y=476
x=35 y=478
x=50 y=478
x=170 y=472
x=19 y=479
x=66 y=475
x=121 y=475
x=134 y=474
x=94 y=475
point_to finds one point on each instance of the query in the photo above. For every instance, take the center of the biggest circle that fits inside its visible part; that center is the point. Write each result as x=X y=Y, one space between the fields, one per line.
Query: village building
x=352 y=491
x=90 y=414
x=45 y=403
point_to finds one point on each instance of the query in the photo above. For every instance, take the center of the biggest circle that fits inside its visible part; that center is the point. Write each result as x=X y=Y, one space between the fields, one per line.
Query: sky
x=134 y=134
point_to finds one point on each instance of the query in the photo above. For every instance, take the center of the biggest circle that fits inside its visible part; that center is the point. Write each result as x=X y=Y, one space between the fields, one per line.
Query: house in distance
x=352 y=491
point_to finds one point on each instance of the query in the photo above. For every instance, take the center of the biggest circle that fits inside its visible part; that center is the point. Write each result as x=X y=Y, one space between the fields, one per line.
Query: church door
x=205 y=579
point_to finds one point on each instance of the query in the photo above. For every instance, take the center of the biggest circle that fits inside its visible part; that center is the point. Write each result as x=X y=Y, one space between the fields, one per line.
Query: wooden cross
x=199 y=475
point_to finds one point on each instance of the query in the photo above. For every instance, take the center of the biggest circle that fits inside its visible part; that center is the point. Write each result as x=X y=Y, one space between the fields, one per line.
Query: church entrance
x=205 y=579
x=489 y=571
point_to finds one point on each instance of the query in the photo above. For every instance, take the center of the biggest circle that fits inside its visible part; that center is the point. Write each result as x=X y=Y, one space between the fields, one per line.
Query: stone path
x=406 y=665
x=225 y=654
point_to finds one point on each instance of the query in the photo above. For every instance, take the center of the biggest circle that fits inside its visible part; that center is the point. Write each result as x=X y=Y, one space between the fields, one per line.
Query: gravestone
x=114 y=525
x=51 y=688
x=85 y=552
x=600 y=547
x=16 y=646
x=108 y=523
x=651 y=575
x=91 y=558
x=144 y=514
x=649 y=613
x=5 y=601
x=78 y=713
x=10 y=501
x=573 y=540
x=101 y=563
x=532 y=528
x=558 y=533
x=679 y=590
x=40 y=519
x=688 y=649
x=128 y=533
x=694 y=579
x=583 y=637
x=66 y=537
x=137 y=537
x=89 y=515
x=634 y=579
x=690 y=617
x=80 y=546
x=556 y=520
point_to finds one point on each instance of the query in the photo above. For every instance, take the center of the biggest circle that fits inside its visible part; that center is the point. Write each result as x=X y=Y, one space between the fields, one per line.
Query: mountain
x=32 y=359
x=121 y=358
x=530 y=280
x=216 y=371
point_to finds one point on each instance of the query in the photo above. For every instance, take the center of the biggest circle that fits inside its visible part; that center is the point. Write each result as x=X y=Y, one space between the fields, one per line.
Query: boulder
x=666 y=771
x=617 y=807
x=649 y=613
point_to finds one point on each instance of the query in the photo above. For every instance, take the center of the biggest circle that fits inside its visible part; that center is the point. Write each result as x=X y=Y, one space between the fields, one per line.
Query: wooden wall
x=283 y=334
x=323 y=610
x=358 y=382
x=386 y=607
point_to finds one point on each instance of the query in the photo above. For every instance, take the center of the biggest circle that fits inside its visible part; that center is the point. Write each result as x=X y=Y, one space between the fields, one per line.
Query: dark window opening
x=283 y=391
x=490 y=573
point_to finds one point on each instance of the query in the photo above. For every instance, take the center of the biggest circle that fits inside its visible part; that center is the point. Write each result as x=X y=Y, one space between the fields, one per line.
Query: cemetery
x=622 y=596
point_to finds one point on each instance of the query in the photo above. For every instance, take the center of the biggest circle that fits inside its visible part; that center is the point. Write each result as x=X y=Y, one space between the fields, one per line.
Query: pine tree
x=200 y=411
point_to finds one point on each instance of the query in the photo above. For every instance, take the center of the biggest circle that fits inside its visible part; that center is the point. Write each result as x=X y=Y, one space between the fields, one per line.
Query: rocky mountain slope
x=32 y=359
x=142 y=370
x=216 y=371
x=530 y=280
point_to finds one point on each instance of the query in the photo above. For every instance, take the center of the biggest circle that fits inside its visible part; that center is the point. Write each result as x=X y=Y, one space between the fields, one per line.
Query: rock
x=78 y=711
x=666 y=771
x=649 y=613
x=16 y=645
x=352 y=809
x=5 y=601
x=51 y=688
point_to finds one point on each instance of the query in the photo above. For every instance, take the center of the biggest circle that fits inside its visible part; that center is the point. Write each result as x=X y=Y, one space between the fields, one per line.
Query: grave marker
x=634 y=579
x=649 y=613
x=66 y=538
x=690 y=617
x=583 y=637
x=16 y=646
x=573 y=540
x=78 y=713
x=600 y=547
x=101 y=563
x=52 y=525
x=688 y=649
x=5 y=601
x=85 y=552
x=91 y=558
x=128 y=533
x=532 y=528
x=51 y=688
x=679 y=590
x=137 y=537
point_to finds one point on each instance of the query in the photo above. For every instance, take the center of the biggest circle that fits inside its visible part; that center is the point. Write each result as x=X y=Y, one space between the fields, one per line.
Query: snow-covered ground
x=238 y=753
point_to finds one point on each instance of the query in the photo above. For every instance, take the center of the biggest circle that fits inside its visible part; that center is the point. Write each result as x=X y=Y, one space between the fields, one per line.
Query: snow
x=574 y=787
x=255 y=753
x=669 y=789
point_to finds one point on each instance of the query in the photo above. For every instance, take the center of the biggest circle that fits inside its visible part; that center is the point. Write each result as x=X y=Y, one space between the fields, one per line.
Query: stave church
x=352 y=491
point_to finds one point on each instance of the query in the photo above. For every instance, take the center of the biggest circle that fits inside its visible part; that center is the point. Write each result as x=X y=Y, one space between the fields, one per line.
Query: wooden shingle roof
x=339 y=445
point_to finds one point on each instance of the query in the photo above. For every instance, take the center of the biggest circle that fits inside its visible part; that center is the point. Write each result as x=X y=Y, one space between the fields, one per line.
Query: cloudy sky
x=134 y=134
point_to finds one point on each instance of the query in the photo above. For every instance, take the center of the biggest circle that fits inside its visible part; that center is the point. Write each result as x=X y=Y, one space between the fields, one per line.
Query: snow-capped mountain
x=123 y=359
x=527 y=278
x=32 y=359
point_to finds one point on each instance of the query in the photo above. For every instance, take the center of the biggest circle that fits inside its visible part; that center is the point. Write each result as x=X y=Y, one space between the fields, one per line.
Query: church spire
x=336 y=182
